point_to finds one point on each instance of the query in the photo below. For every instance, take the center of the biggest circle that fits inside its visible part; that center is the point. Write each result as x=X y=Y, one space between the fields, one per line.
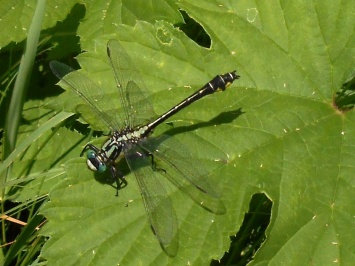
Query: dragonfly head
x=95 y=162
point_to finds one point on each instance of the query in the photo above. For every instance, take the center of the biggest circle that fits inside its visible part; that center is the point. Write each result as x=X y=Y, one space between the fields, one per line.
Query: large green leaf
x=16 y=17
x=290 y=142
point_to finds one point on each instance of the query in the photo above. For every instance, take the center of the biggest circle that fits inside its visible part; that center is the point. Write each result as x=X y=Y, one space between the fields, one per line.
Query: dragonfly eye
x=90 y=154
x=102 y=167
x=94 y=162
x=96 y=165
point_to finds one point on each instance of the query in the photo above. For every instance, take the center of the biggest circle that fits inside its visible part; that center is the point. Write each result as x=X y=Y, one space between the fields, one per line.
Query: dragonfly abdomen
x=220 y=82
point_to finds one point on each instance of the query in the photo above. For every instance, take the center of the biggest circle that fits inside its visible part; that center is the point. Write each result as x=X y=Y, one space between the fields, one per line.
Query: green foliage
x=284 y=129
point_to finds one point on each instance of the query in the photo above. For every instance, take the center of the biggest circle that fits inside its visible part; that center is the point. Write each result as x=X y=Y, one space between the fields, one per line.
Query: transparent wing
x=131 y=87
x=185 y=172
x=140 y=106
x=101 y=103
x=158 y=206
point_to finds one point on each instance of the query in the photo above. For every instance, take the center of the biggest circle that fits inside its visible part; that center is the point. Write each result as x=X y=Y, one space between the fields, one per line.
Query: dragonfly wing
x=185 y=172
x=139 y=106
x=158 y=206
x=90 y=92
x=133 y=95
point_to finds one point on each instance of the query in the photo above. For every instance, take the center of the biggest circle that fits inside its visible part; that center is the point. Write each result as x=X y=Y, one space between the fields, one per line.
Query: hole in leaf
x=195 y=31
x=251 y=234
x=345 y=98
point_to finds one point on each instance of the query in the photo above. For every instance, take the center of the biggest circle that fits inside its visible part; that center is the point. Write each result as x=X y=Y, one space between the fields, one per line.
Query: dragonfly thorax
x=98 y=159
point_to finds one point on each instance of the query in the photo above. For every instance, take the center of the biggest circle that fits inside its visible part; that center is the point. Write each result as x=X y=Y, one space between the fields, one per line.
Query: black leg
x=118 y=178
x=89 y=146
x=154 y=165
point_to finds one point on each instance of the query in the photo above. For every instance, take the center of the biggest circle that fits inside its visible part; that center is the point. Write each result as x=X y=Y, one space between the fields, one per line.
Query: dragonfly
x=130 y=134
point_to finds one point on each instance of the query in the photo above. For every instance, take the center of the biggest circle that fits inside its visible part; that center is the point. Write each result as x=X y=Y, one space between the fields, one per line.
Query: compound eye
x=102 y=167
x=96 y=165
x=94 y=162
x=90 y=154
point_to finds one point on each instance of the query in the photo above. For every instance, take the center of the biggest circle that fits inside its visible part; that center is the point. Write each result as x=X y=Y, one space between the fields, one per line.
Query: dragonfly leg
x=154 y=165
x=119 y=178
